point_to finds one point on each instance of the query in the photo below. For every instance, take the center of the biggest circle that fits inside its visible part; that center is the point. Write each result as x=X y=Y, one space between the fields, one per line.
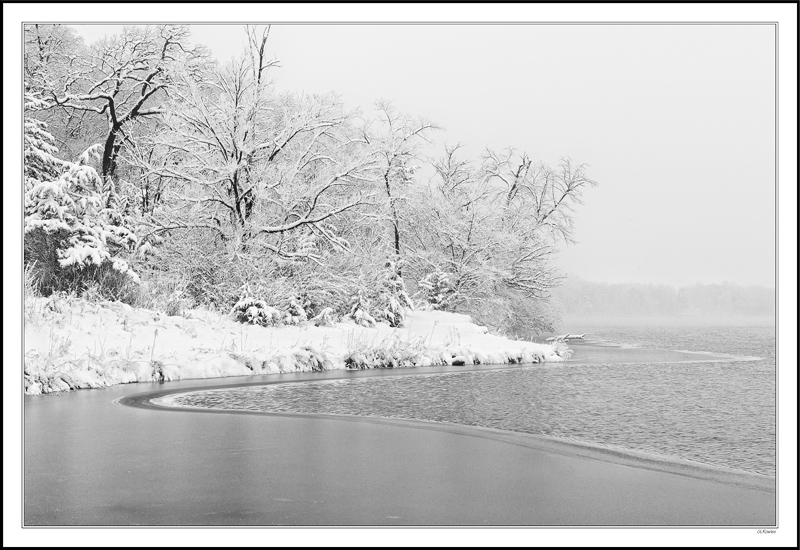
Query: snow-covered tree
x=399 y=141
x=124 y=78
x=393 y=300
x=360 y=311
x=296 y=313
x=437 y=290
x=544 y=197
x=270 y=172
x=255 y=311
x=40 y=162
x=74 y=231
x=493 y=227
x=456 y=230
x=48 y=53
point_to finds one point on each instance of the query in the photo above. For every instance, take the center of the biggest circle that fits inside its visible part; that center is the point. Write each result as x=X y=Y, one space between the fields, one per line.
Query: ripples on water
x=719 y=413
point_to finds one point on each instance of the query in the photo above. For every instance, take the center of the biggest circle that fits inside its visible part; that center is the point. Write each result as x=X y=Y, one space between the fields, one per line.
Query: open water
x=720 y=412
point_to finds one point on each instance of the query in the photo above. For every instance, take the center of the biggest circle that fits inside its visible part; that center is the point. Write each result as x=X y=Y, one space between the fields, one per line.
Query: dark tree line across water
x=578 y=297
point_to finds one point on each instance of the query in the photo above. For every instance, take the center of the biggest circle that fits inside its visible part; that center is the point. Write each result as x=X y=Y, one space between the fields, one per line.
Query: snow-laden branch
x=309 y=220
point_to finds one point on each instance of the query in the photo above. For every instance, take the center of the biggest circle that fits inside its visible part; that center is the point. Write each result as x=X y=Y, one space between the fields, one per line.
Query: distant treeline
x=578 y=297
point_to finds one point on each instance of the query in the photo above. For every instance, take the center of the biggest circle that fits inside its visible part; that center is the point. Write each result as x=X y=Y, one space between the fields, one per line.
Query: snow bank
x=72 y=344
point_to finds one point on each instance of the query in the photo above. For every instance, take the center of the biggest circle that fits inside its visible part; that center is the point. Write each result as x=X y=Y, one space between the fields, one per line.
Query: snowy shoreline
x=77 y=344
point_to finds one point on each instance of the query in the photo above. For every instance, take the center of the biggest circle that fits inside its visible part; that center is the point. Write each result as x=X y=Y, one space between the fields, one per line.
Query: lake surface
x=720 y=412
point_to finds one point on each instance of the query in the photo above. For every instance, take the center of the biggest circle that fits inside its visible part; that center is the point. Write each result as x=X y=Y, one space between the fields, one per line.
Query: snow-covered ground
x=72 y=344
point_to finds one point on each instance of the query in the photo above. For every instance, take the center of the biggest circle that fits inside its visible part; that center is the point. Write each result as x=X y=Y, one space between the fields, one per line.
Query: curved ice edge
x=723 y=356
x=592 y=451
x=717 y=355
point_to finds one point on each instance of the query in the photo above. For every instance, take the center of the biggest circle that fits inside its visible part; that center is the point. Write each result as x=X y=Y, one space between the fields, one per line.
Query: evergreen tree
x=75 y=234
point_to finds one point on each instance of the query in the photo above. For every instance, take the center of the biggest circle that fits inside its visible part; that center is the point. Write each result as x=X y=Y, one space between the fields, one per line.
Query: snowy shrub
x=389 y=354
x=315 y=297
x=256 y=312
x=393 y=300
x=40 y=162
x=41 y=253
x=325 y=318
x=437 y=290
x=75 y=235
x=359 y=311
x=295 y=313
x=253 y=310
x=308 y=358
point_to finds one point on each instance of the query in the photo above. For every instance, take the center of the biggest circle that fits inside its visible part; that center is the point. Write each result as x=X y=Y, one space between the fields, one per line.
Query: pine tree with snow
x=295 y=313
x=393 y=297
x=359 y=311
x=75 y=234
x=437 y=289
x=254 y=311
x=40 y=162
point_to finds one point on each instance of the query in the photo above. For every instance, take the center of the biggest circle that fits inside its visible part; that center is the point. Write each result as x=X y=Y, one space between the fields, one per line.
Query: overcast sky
x=676 y=123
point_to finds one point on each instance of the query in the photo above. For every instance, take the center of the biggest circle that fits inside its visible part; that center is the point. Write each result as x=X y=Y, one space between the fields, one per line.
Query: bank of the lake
x=76 y=344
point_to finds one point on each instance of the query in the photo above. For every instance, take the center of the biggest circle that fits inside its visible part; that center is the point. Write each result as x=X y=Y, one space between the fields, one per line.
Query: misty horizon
x=578 y=297
x=572 y=276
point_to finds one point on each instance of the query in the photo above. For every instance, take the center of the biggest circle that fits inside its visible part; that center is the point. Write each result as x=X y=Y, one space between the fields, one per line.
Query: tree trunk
x=110 y=152
x=395 y=220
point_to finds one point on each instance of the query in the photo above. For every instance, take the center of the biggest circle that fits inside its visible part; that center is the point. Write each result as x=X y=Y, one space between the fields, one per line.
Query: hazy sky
x=676 y=123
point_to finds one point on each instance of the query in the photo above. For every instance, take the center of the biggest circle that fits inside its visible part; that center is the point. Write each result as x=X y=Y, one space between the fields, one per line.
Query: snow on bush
x=392 y=354
x=72 y=219
x=40 y=162
x=325 y=318
x=295 y=313
x=437 y=289
x=359 y=311
x=256 y=312
x=392 y=297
